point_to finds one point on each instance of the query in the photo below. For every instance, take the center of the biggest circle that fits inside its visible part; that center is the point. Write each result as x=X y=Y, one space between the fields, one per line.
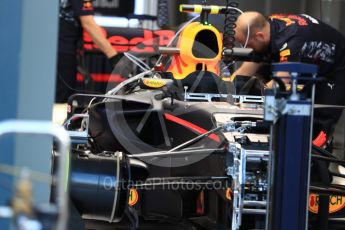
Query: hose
x=128 y=81
x=142 y=65
x=230 y=25
x=163 y=14
x=231 y=13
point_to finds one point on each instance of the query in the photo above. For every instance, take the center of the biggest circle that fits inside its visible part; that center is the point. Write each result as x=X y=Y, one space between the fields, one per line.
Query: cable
x=229 y=32
x=163 y=14
x=76 y=90
x=139 y=60
x=321 y=151
x=195 y=139
x=176 y=153
x=328 y=159
x=142 y=65
x=228 y=65
x=90 y=103
x=248 y=27
x=229 y=25
x=321 y=10
x=126 y=82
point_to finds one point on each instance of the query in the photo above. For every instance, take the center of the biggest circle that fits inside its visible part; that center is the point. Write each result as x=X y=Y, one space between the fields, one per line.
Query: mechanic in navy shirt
x=76 y=16
x=299 y=38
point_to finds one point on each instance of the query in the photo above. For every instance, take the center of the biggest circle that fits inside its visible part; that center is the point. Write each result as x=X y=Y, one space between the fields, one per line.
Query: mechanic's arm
x=279 y=74
x=246 y=69
x=291 y=53
x=251 y=68
x=89 y=25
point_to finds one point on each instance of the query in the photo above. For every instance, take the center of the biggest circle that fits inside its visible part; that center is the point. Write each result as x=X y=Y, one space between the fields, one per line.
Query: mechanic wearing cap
x=76 y=16
x=299 y=38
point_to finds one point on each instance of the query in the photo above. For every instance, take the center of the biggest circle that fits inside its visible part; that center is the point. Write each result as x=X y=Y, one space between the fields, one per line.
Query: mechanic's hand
x=115 y=59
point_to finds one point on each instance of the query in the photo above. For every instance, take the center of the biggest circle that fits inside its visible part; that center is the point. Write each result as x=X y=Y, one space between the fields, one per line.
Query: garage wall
x=330 y=11
x=28 y=44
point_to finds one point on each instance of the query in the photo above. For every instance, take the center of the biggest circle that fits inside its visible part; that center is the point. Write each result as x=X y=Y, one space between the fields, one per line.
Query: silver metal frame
x=209 y=96
x=47 y=128
x=117 y=188
x=78 y=137
x=250 y=156
x=238 y=172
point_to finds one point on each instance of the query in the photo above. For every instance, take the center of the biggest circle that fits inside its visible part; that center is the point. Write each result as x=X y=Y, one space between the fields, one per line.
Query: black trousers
x=66 y=77
x=330 y=92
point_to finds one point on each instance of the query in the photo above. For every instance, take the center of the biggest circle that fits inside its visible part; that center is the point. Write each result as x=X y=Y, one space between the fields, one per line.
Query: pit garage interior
x=162 y=140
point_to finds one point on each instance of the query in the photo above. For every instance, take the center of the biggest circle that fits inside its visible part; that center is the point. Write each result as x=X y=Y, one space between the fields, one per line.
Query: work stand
x=291 y=132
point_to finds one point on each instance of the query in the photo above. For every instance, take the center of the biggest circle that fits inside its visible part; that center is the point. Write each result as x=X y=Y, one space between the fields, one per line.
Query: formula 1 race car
x=174 y=147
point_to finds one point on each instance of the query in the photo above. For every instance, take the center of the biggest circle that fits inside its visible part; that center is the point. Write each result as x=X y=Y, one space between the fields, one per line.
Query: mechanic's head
x=259 y=30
